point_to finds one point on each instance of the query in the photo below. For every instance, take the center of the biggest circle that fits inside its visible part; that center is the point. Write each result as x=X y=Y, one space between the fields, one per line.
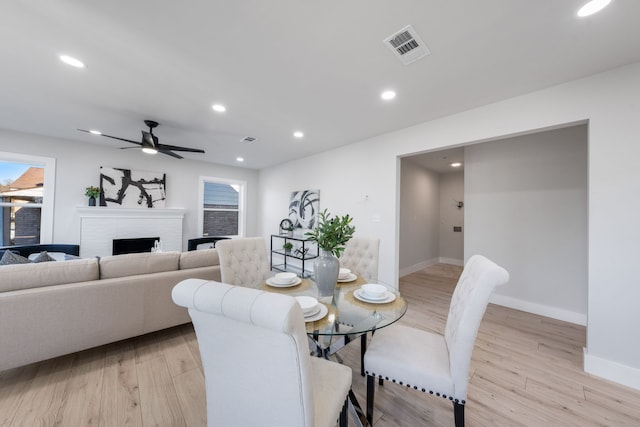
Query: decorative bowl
x=374 y=291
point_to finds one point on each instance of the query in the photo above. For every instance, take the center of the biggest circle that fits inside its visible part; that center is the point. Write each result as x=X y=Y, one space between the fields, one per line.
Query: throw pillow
x=43 y=257
x=12 y=258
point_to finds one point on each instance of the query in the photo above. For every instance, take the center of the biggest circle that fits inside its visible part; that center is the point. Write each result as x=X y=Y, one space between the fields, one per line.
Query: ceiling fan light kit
x=150 y=143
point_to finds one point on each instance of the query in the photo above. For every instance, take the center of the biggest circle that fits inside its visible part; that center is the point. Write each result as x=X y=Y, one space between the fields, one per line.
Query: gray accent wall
x=526 y=205
x=419 y=217
x=451 y=248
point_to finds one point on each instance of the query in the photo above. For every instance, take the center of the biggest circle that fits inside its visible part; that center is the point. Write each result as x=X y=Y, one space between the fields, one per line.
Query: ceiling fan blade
x=127 y=148
x=176 y=148
x=114 y=137
x=170 y=153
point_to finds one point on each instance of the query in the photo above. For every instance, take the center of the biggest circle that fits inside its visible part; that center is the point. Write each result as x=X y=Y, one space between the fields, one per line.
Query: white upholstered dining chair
x=361 y=257
x=243 y=262
x=433 y=363
x=257 y=367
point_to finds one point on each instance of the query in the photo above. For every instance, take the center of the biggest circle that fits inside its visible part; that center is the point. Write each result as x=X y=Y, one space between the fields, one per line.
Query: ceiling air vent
x=248 y=140
x=407 y=45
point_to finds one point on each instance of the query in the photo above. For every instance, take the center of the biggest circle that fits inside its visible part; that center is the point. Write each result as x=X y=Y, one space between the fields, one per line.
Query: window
x=222 y=207
x=26 y=203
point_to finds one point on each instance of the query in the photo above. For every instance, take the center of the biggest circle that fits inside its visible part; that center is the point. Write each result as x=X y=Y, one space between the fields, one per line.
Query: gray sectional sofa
x=55 y=308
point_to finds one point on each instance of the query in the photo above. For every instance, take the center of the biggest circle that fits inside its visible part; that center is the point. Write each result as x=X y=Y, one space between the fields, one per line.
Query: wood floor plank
x=42 y=401
x=158 y=399
x=83 y=391
x=120 y=404
x=177 y=353
x=14 y=384
x=189 y=386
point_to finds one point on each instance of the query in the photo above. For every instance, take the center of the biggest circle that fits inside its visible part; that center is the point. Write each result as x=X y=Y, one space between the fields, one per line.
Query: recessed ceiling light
x=298 y=134
x=72 y=61
x=592 y=7
x=239 y=159
x=456 y=164
x=95 y=132
x=219 y=108
x=388 y=95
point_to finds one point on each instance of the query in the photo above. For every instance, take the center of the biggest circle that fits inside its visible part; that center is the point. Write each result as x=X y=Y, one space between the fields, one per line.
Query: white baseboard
x=424 y=264
x=542 y=310
x=419 y=266
x=451 y=261
x=612 y=371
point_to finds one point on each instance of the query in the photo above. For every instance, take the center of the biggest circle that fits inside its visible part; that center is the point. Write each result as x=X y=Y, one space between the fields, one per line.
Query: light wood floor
x=526 y=370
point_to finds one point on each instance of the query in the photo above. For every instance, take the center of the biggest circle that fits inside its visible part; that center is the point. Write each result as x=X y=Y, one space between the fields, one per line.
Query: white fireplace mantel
x=100 y=225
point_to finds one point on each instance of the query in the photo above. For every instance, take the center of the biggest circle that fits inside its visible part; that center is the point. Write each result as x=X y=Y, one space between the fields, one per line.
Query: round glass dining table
x=346 y=314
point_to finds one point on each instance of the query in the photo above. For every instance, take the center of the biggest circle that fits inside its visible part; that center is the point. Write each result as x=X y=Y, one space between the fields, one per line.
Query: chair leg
x=344 y=419
x=458 y=414
x=371 y=389
x=363 y=349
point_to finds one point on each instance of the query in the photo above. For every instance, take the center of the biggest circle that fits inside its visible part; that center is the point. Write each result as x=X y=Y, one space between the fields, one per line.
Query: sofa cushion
x=134 y=264
x=10 y=258
x=201 y=258
x=25 y=276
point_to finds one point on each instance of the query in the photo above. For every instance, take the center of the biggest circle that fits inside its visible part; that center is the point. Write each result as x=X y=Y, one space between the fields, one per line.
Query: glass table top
x=348 y=312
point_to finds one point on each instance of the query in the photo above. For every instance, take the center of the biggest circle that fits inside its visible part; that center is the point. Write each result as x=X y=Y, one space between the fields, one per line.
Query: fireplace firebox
x=133 y=246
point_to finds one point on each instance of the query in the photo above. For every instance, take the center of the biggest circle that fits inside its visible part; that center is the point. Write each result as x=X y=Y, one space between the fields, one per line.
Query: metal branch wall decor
x=304 y=207
x=132 y=189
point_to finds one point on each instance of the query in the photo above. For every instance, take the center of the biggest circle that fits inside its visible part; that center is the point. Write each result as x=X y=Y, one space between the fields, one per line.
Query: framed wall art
x=132 y=189
x=303 y=208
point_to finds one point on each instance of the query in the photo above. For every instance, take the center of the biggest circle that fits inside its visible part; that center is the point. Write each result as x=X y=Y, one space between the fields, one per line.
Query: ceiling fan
x=149 y=143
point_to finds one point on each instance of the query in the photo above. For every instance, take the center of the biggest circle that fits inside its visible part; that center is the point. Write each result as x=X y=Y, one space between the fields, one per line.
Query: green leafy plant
x=331 y=234
x=92 y=191
x=287 y=246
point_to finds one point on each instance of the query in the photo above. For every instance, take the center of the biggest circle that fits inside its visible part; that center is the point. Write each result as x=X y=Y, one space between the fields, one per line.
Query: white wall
x=609 y=101
x=451 y=248
x=526 y=205
x=77 y=167
x=419 y=217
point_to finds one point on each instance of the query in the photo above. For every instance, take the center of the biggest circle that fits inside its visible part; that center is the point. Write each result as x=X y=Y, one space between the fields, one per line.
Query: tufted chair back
x=255 y=358
x=361 y=257
x=470 y=298
x=243 y=262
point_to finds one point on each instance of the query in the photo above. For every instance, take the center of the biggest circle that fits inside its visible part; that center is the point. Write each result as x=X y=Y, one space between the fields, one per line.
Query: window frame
x=242 y=196
x=48 y=194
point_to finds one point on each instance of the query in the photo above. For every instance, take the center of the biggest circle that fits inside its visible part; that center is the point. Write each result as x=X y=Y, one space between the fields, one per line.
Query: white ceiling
x=440 y=161
x=280 y=66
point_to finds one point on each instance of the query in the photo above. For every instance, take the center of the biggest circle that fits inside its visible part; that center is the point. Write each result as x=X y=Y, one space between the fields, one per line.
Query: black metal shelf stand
x=304 y=251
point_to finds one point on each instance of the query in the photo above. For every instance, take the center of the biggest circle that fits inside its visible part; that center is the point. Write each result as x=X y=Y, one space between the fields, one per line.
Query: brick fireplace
x=99 y=226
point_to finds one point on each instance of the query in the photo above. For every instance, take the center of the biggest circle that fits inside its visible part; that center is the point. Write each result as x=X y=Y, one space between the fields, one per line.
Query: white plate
x=323 y=312
x=358 y=294
x=270 y=282
x=315 y=311
x=350 y=278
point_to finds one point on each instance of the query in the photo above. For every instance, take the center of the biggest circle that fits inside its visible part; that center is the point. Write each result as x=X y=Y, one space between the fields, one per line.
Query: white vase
x=326 y=268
